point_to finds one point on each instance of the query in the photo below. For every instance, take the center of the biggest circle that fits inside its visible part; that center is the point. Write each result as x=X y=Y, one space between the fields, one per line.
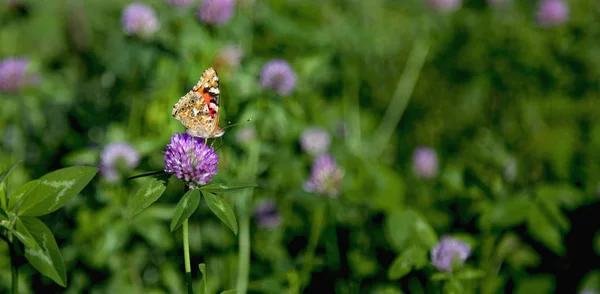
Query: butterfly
x=198 y=110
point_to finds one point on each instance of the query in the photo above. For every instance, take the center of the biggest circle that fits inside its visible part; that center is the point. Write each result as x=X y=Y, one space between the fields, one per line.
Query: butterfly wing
x=198 y=110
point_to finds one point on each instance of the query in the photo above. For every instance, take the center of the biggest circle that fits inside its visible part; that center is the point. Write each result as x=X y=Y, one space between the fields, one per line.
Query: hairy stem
x=186 y=254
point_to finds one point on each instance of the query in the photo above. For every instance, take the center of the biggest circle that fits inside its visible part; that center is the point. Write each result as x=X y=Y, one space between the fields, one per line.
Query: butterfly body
x=198 y=110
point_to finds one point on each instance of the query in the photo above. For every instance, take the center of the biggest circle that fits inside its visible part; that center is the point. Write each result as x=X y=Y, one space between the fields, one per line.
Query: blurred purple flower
x=552 y=13
x=425 y=162
x=116 y=157
x=278 y=75
x=444 y=5
x=229 y=58
x=315 y=141
x=267 y=214
x=216 y=12
x=325 y=178
x=445 y=252
x=245 y=135
x=189 y=159
x=139 y=19
x=14 y=76
x=179 y=3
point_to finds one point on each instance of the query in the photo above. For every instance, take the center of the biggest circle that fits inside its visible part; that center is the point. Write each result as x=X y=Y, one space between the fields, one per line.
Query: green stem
x=15 y=279
x=402 y=95
x=186 y=254
x=14 y=270
x=244 y=253
x=318 y=222
x=244 y=203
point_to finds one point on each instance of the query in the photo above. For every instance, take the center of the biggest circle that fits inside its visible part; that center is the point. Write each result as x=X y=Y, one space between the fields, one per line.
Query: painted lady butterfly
x=198 y=110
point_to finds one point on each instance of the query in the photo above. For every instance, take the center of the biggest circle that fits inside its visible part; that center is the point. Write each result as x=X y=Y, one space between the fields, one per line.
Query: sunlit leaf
x=147 y=194
x=186 y=206
x=7 y=171
x=217 y=188
x=52 y=191
x=222 y=209
x=44 y=255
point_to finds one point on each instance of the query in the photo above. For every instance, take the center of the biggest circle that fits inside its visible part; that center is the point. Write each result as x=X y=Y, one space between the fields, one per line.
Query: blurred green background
x=505 y=98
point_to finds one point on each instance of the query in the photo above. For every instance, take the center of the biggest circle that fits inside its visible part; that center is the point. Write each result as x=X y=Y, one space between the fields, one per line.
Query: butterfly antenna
x=236 y=124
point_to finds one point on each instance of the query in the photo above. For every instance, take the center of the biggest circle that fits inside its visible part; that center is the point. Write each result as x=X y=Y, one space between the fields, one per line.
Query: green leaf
x=469 y=274
x=217 y=188
x=230 y=291
x=222 y=209
x=21 y=193
x=203 y=282
x=399 y=228
x=425 y=233
x=544 y=231
x=52 y=191
x=42 y=252
x=186 y=206
x=439 y=276
x=413 y=257
x=147 y=194
x=6 y=172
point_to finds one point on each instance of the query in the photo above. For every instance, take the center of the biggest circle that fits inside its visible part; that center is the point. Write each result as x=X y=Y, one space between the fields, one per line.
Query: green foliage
x=222 y=209
x=510 y=108
x=186 y=206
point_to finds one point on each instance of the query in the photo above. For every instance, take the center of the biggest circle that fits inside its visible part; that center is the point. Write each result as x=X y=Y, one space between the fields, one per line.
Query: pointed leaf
x=413 y=257
x=203 y=282
x=22 y=192
x=217 y=188
x=542 y=229
x=222 y=209
x=231 y=291
x=44 y=255
x=53 y=190
x=6 y=172
x=186 y=206
x=147 y=194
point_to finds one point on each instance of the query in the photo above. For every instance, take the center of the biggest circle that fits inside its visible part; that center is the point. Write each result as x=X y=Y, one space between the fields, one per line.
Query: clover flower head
x=139 y=19
x=325 y=178
x=447 y=250
x=279 y=76
x=116 y=157
x=216 y=12
x=13 y=74
x=552 y=13
x=315 y=141
x=425 y=162
x=189 y=159
x=267 y=215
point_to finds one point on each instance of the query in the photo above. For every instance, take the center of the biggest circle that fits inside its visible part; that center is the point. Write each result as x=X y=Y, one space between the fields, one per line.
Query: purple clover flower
x=189 y=159
x=425 y=163
x=216 y=12
x=13 y=74
x=139 y=19
x=444 y=5
x=279 y=76
x=229 y=57
x=447 y=250
x=315 y=141
x=267 y=215
x=245 y=135
x=117 y=157
x=325 y=178
x=552 y=13
x=179 y=3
